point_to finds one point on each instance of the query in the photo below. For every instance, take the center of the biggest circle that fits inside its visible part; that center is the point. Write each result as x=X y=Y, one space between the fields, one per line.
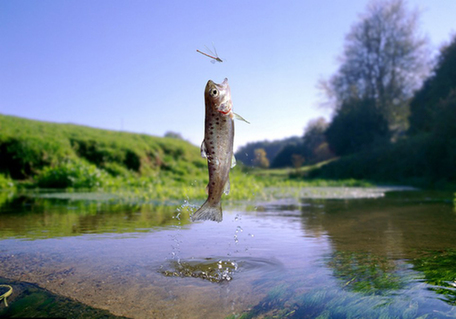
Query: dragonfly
x=214 y=56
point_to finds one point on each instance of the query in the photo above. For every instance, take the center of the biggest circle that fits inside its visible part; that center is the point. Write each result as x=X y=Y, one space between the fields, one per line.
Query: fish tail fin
x=208 y=212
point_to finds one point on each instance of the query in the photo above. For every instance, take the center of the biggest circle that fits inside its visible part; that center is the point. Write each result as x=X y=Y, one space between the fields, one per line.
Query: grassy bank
x=422 y=161
x=36 y=154
x=44 y=153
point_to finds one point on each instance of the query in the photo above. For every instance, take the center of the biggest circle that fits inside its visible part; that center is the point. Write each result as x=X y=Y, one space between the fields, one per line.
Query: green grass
x=140 y=167
x=27 y=147
x=424 y=161
x=6 y=183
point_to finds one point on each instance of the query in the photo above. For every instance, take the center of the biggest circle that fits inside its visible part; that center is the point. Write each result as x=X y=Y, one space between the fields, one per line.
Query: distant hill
x=29 y=146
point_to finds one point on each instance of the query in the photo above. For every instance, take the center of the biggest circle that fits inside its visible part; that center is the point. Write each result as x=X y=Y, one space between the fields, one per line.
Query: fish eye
x=213 y=92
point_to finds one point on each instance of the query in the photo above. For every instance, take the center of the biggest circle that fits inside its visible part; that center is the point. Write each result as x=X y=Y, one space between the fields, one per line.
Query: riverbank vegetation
x=50 y=155
x=394 y=109
x=136 y=167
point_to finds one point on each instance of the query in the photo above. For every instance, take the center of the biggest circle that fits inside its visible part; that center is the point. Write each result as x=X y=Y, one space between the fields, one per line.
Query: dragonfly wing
x=210 y=51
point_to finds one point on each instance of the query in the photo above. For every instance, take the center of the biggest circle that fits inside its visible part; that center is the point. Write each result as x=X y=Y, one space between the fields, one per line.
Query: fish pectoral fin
x=203 y=149
x=226 y=189
x=233 y=161
x=240 y=118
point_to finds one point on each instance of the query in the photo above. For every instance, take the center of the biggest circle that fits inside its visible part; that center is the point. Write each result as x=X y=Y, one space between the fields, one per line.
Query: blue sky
x=133 y=65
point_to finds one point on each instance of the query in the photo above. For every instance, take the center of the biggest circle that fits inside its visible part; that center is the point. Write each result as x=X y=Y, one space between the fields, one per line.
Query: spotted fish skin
x=217 y=147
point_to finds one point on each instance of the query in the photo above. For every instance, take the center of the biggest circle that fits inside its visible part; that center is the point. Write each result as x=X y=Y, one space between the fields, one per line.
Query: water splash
x=177 y=236
x=209 y=269
x=238 y=230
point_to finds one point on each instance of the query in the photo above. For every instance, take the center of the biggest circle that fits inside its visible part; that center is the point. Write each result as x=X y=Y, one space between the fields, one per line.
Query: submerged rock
x=208 y=269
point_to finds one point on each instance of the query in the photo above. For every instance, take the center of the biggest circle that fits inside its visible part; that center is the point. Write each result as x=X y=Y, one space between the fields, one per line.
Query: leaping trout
x=217 y=147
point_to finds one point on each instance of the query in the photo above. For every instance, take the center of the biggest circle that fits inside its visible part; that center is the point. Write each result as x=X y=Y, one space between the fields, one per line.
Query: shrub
x=116 y=169
x=72 y=175
x=5 y=182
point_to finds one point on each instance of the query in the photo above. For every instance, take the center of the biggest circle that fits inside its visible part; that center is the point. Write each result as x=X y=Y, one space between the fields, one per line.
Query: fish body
x=217 y=147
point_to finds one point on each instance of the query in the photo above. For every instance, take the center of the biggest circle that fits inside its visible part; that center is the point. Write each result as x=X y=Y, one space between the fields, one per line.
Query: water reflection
x=389 y=256
x=394 y=226
x=32 y=217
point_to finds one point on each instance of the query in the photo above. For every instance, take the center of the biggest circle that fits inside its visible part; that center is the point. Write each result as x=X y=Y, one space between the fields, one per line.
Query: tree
x=384 y=61
x=261 y=159
x=314 y=140
x=426 y=104
x=246 y=153
x=285 y=157
x=297 y=161
x=175 y=135
x=443 y=147
x=356 y=126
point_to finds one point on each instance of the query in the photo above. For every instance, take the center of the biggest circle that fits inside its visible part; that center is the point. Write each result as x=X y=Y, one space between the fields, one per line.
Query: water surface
x=319 y=254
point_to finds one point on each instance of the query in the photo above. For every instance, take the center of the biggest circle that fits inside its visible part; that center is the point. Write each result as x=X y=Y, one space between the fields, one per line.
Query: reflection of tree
x=394 y=226
x=5 y=197
x=369 y=236
x=366 y=273
x=439 y=271
x=371 y=286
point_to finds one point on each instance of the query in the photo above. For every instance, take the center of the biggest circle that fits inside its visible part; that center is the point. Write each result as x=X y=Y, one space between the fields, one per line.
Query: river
x=329 y=252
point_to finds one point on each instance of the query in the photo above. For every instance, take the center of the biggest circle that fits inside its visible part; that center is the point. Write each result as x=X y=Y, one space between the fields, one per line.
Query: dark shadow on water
x=31 y=301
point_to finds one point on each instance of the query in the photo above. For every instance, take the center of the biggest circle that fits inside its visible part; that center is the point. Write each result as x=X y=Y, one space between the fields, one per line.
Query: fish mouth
x=226 y=112
x=223 y=108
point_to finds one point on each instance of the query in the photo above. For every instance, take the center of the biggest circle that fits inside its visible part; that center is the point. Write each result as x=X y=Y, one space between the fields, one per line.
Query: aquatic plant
x=370 y=286
x=366 y=273
x=288 y=301
x=438 y=268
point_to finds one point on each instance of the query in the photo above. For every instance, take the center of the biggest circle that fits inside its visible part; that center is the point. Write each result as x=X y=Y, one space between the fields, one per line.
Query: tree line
x=387 y=95
x=294 y=151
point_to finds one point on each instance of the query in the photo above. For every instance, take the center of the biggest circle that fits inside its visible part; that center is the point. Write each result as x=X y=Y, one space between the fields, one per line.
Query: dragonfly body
x=214 y=57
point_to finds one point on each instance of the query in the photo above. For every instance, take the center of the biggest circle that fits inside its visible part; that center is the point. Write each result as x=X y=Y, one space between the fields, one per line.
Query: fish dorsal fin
x=203 y=149
x=240 y=118
x=233 y=161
